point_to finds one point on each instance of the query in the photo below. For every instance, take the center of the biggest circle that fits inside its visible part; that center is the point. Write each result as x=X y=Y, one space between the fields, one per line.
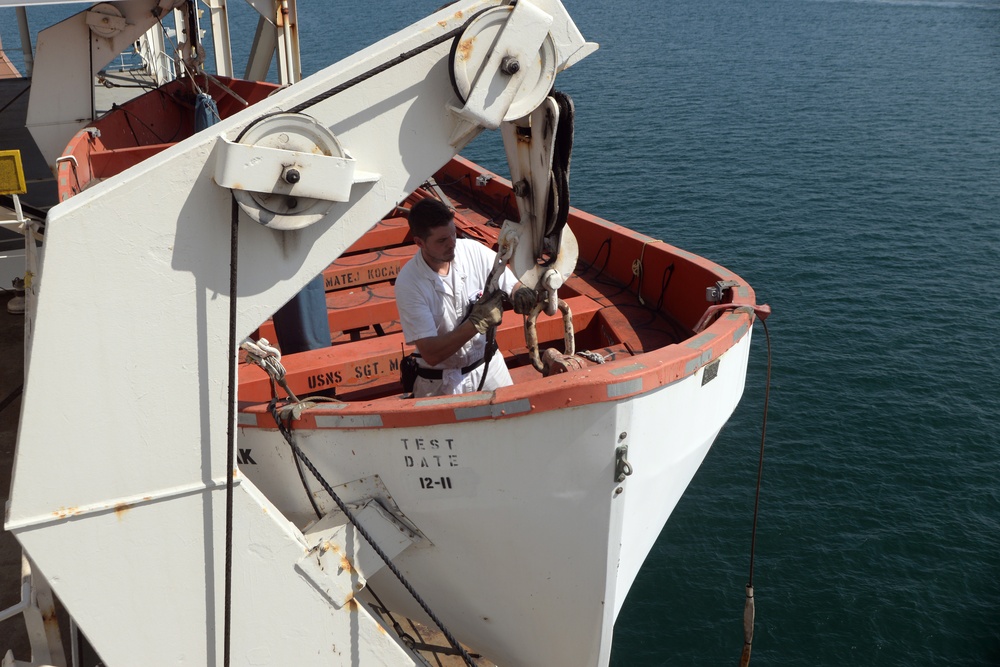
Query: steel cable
x=364 y=76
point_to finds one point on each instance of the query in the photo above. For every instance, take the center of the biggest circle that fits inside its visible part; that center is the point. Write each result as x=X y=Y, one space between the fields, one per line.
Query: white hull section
x=530 y=544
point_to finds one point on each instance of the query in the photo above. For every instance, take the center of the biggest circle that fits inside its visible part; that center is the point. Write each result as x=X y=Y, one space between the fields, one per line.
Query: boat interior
x=367 y=341
x=630 y=294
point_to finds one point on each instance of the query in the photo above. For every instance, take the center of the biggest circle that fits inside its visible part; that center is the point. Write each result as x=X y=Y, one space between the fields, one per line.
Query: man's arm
x=435 y=349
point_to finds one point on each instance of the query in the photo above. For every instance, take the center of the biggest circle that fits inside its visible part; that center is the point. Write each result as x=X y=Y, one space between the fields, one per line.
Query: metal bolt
x=509 y=65
x=292 y=176
x=618 y=491
x=292 y=202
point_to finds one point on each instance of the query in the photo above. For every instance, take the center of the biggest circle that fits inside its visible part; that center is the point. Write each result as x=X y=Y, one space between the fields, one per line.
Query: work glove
x=487 y=312
x=524 y=299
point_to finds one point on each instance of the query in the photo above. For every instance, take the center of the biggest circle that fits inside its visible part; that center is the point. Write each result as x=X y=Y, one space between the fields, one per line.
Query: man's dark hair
x=427 y=214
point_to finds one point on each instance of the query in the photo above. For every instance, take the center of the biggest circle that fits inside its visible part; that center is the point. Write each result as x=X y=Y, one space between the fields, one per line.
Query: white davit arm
x=118 y=493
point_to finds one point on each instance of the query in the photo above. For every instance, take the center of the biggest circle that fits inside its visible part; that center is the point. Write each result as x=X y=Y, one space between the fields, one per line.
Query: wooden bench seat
x=386 y=233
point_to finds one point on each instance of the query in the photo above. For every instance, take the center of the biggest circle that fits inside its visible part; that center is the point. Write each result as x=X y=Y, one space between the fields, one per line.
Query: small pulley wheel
x=280 y=209
x=105 y=20
x=472 y=49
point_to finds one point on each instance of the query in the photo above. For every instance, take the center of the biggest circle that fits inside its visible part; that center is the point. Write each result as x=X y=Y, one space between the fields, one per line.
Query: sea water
x=844 y=158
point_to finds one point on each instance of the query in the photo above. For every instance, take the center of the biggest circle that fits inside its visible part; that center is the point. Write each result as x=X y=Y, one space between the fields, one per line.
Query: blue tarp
x=206 y=112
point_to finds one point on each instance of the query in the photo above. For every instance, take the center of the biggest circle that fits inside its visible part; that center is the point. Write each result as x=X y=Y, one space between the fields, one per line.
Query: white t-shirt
x=431 y=304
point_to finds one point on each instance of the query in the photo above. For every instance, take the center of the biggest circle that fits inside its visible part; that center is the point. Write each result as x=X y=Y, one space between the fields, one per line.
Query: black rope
x=150 y=129
x=748 y=608
x=128 y=121
x=286 y=433
x=668 y=274
x=606 y=243
x=231 y=432
x=305 y=484
x=403 y=57
x=488 y=352
x=656 y=312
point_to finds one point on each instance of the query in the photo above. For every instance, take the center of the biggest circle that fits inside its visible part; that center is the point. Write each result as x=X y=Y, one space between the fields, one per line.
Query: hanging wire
x=231 y=431
x=748 y=606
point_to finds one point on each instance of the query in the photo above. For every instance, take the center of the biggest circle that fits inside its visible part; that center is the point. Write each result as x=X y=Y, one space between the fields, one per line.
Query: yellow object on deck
x=11 y=174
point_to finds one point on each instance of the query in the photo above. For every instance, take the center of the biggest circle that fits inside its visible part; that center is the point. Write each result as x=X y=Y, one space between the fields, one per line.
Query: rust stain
x=345 y=565
x=352 y=605
x=465 y=48
x=64 y=512
x=121 y=509
x=459 y=14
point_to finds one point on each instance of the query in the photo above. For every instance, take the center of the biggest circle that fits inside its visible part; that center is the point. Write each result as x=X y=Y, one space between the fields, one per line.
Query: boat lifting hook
x=531 y=335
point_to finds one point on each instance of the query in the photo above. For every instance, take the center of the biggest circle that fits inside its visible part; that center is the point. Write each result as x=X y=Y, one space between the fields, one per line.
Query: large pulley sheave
x=287 y=171
x=479 y=68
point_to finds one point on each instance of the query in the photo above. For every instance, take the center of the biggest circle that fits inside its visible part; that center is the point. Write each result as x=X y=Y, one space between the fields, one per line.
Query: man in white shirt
x=439 y=296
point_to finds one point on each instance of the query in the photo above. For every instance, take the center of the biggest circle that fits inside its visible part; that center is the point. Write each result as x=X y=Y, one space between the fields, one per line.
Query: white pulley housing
x=287 y=171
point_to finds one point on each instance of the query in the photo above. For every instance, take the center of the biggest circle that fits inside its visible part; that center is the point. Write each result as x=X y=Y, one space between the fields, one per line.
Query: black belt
x=438 y=373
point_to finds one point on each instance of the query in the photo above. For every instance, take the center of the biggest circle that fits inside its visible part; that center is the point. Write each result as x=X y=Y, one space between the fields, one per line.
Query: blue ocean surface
x=844 y=157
